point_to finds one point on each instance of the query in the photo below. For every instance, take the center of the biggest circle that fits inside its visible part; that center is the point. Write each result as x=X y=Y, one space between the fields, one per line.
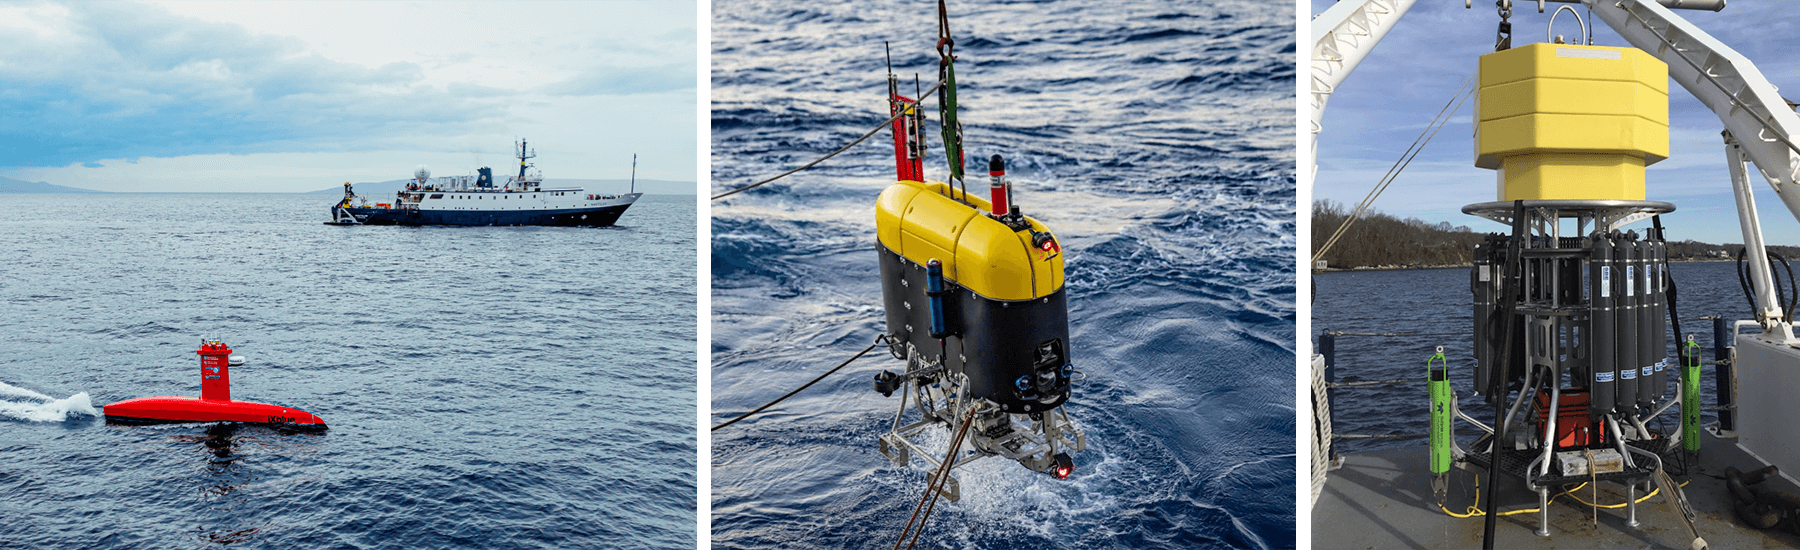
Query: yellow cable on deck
x=1474 y=512
x=1652 y=493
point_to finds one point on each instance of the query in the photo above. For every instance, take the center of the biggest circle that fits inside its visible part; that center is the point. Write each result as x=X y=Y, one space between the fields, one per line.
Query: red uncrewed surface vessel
x=213 y=405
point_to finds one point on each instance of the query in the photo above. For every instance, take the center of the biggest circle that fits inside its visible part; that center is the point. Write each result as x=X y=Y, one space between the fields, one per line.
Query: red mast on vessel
x=215 y=371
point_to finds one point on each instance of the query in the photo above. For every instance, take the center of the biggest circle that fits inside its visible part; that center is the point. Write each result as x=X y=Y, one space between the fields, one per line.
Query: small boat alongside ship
x=479 y=200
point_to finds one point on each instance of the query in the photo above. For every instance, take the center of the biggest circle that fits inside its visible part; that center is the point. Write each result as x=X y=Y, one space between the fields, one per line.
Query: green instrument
x=1442 y=406
x=1690 y=396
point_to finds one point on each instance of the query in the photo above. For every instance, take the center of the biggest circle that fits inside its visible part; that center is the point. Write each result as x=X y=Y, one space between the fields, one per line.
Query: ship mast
x=524 y=154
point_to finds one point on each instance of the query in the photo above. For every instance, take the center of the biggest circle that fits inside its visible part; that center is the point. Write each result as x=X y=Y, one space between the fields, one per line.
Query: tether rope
x=878 y=340
x=1322 y=430
x=865 y=137
x=1406 y=158
x=932 y=489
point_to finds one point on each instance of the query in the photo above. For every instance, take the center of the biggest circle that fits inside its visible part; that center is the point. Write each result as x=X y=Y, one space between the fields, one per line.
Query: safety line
x=932 y=490
x=1400 y=165
x=872 y=132
x=878 y=340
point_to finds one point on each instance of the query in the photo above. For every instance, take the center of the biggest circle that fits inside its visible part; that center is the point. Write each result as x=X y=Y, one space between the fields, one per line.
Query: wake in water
x=42 y=408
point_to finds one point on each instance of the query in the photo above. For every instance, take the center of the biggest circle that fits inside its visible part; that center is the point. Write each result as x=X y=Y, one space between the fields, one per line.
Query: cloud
x=115 y=79
x=681 y=36
x=645 y=80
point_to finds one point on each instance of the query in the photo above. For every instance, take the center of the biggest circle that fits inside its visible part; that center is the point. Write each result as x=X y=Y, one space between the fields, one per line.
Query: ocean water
x=1435 y=305
x=1156 y=139
x=485 y=387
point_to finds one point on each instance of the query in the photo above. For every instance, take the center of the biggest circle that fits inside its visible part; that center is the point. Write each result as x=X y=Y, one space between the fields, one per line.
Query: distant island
x=1381 y=241
x=603 y=187
x=9 y=185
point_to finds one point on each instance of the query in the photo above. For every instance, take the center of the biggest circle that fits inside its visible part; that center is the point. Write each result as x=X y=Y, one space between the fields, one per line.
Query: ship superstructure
x=480 y=200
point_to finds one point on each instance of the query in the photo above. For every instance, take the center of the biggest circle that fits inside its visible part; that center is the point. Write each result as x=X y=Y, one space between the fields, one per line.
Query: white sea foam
x=15 y=391
x=999 y=494
x=50 y=410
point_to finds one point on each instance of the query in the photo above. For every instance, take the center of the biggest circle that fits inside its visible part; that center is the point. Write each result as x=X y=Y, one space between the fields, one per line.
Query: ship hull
x=176 y=409
x=569 y=217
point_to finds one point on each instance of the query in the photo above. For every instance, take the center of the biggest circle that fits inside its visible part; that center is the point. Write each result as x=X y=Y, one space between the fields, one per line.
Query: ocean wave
x=37 y=407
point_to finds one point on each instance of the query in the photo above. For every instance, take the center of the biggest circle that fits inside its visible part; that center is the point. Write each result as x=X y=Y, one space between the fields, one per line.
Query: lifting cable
x=1792 y=290
x=1406 y=158
x=903 y=112
x=1668 y=280
x=932 y=490
x=878 y=340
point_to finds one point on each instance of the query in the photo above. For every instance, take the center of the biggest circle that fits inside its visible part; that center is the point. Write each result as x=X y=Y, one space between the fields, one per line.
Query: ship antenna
x=634 y=172
x=523 y=154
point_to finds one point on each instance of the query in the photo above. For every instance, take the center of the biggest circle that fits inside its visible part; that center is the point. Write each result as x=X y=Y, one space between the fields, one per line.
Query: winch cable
x=884 y=124
x=878 y=340
x=1668 y=280
x=1743 y=273
x=1793 y=290
x=1406 y=158
x=1781 y=290
x=1497 y=380
x=932 y=488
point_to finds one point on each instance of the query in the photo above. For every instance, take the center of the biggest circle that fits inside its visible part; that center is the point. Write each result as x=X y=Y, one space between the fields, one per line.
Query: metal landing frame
x=1031 y=443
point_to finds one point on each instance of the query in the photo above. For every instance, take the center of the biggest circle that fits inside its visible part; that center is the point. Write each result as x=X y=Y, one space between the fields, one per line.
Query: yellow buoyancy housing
x=996 y=316
x=920 y=222
x=1571 y=122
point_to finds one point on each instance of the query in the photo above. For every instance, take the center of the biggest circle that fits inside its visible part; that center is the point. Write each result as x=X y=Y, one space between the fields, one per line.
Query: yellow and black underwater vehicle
x=976 y=307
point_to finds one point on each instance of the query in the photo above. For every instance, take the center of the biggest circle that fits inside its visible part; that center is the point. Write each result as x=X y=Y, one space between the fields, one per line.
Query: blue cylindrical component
x=1648 y=328
x=1328 y=349
x=1484 y=283
x=1722 y=372
x=1602 y=354
x=1625 y=329
x=934 y=293
x=1659 y=254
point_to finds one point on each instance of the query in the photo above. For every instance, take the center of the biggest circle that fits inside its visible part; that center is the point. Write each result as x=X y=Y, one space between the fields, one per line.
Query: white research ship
x=479 y=200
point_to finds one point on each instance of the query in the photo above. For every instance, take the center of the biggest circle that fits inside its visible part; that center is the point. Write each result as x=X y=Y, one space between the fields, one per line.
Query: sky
x=1417 y=68
x=303 y=96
